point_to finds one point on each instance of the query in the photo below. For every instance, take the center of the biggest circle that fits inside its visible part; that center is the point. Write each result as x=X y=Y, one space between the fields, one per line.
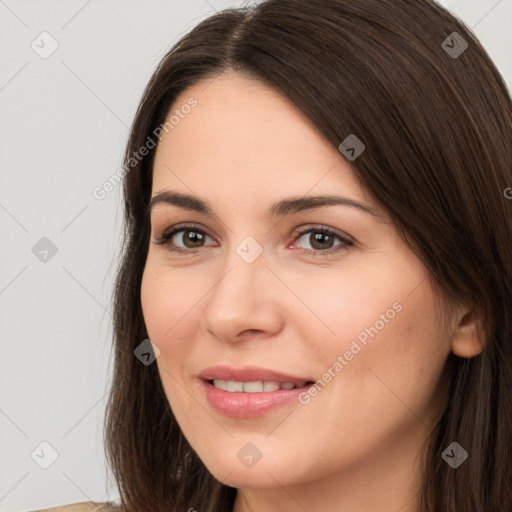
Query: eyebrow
x=284 y=207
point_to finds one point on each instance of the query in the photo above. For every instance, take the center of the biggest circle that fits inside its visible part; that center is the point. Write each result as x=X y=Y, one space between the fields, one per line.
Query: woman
x=313 y=308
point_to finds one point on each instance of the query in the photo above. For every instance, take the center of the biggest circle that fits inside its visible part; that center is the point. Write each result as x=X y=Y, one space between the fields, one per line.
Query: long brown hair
x=437 y=127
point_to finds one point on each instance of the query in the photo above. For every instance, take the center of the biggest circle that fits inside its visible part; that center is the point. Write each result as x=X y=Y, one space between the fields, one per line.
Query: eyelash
x=165 y=237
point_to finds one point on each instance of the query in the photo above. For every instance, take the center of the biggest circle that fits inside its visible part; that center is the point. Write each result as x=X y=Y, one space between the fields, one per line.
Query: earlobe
x=467 y=340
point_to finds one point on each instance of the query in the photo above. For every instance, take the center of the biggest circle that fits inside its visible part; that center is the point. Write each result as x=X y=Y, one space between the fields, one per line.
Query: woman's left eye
x=321 y=239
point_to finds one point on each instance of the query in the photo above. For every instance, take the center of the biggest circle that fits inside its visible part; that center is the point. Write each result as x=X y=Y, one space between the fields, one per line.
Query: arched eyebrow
x=281 y=208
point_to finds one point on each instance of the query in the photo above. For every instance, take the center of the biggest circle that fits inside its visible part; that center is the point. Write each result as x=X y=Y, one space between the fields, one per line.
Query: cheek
x=344 y=307
x=168 y=300
x=387 y=323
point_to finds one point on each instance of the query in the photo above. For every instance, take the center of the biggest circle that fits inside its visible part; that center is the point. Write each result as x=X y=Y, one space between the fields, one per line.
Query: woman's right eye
x=190 y=237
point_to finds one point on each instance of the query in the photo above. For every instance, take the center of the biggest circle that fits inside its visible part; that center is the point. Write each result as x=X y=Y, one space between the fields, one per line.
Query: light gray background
x=64 y=126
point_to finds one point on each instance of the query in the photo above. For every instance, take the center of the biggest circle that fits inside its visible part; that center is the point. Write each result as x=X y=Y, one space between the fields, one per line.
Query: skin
x=355 y=445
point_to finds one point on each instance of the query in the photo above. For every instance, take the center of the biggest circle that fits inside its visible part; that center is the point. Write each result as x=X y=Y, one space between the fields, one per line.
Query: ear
x=467 y=339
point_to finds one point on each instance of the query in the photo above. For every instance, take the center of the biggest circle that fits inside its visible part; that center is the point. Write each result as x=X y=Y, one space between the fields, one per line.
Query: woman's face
x=256 y=289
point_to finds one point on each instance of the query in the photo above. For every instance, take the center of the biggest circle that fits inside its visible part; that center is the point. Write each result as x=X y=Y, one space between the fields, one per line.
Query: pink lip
x=249 y=374
x=248 y=405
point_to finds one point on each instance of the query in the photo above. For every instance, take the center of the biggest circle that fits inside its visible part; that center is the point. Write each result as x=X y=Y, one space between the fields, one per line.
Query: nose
x=243 y=302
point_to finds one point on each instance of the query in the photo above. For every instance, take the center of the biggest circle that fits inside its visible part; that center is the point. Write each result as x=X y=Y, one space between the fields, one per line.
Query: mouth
x=258 y=386
x=250 y=392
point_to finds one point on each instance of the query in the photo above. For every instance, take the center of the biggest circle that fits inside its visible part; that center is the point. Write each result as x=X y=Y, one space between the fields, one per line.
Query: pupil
x=194 y=237
x=318 y=238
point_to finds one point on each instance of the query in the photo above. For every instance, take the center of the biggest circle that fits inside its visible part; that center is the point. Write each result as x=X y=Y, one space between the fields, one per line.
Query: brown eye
x=186 y=239
x=191 y=238
x=322 y=241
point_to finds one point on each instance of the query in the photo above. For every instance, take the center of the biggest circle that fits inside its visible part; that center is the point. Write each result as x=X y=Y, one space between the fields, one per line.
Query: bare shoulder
x=84 y=506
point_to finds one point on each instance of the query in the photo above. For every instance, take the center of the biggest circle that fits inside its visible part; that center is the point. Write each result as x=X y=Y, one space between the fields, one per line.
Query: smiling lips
x=250 y=392
x=254 y=386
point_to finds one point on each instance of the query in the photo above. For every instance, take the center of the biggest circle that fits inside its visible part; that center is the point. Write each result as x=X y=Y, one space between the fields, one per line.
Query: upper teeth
x=254 y=387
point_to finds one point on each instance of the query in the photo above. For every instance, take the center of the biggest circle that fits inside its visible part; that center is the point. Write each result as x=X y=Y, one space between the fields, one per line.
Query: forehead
x=245 y=137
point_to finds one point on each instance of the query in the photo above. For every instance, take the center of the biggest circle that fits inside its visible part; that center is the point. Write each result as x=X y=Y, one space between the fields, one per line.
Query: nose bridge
x=243 y=268
x=240 y=299
x=249 y=250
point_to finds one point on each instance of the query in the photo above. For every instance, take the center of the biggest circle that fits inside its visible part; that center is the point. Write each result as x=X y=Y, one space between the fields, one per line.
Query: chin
x=271 y=470
x=248 y=477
